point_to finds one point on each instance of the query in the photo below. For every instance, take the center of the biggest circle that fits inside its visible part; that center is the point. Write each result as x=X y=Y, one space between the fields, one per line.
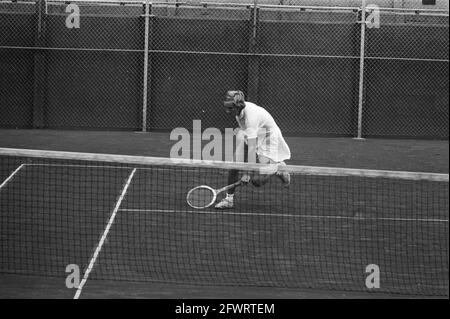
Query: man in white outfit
x=258 y=135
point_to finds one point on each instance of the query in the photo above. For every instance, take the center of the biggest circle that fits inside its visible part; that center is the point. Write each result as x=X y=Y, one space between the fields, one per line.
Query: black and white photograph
x=224 y=155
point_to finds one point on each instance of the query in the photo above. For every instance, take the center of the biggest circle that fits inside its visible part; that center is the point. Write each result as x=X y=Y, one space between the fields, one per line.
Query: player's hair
x=238 y=98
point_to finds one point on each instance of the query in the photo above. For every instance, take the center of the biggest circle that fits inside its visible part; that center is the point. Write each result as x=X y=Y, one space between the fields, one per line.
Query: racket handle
x=223 y=189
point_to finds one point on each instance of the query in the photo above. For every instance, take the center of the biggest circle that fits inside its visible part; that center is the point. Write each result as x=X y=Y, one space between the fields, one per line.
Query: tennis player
x=257 y=134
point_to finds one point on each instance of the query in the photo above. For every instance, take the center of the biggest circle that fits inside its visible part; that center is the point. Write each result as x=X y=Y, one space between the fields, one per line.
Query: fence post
x=145 y=84
x=40 y=68
x=253 y=63
x=361 y=69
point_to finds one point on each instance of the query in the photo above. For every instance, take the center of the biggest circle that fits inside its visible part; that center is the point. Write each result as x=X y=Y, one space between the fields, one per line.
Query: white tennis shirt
x=256 y=122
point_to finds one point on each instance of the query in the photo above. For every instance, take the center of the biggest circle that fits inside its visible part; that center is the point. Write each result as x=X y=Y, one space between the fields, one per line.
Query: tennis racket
x=204 y=196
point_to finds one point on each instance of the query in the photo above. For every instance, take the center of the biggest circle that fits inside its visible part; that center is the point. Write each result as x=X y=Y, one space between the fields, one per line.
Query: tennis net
x=126 y=218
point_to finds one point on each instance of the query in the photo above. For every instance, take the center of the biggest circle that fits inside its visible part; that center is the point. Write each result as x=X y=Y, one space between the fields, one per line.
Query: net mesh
x=321 y=232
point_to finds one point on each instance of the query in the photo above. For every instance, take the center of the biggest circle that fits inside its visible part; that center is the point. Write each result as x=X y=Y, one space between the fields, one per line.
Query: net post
x=145 y=84
x=361 y=70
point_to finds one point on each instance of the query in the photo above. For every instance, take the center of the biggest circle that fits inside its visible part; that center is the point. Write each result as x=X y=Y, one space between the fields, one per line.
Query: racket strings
x=201 y=197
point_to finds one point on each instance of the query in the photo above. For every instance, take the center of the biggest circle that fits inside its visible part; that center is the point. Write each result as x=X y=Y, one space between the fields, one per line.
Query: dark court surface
x=404 y=155
x=33 y=287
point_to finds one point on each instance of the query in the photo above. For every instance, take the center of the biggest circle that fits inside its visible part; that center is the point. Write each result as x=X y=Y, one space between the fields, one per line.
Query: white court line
x=220 y=212
x=105 y=233
x=11 y=176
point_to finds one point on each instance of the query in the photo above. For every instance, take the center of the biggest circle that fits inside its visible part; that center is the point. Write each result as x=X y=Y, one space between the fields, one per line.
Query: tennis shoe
x=226 y=203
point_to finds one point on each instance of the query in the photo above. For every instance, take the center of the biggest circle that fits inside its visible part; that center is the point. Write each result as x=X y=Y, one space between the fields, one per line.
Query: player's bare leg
x=283 y=175
x=241 y=155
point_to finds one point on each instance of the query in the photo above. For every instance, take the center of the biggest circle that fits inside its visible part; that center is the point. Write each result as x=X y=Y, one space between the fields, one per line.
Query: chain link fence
x=308 y=80
x=157 y=66
x=94 y=72
x=18 y=24
x=406 y=76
